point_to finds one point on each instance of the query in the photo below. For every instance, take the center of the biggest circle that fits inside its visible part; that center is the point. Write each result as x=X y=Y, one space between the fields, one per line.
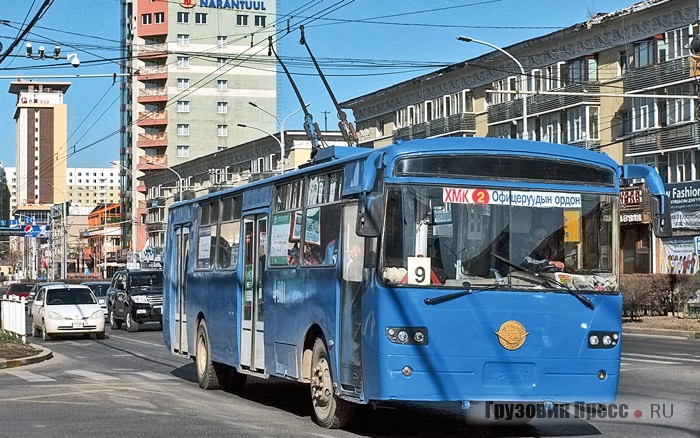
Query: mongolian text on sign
x=511 y=197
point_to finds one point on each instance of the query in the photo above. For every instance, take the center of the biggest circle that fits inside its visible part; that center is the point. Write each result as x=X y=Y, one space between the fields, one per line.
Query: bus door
x=353 y=253
x=179 y=328
x=252 y=323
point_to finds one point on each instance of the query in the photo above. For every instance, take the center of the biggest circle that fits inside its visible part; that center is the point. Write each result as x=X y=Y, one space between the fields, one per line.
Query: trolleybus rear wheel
x=330 y=411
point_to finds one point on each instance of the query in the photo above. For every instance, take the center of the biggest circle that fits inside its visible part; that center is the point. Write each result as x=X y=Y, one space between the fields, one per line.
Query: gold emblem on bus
x=511 y=335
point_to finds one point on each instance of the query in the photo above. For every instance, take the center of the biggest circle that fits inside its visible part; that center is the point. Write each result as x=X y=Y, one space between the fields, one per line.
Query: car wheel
x=100 y=335
x=206 y=374
x=44 y=336
x=114 y=323
x=131 y=325
x=330 y=411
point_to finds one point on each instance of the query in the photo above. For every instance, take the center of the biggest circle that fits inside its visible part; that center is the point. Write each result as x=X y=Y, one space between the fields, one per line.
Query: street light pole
x=522 y=71
x=280 y=126
x=173 y=171
x=64 y=233
x=271 y=135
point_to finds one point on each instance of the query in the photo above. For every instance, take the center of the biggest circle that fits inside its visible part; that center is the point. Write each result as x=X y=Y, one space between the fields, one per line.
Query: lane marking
x=92 y=376
x=156 y=376
x=661 y=357
x=134 y=340
x=29 y=376
x=665 y=362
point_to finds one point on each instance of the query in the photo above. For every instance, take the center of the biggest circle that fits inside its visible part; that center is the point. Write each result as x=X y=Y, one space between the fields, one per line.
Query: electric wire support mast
x=346 y=128
x=312 y=130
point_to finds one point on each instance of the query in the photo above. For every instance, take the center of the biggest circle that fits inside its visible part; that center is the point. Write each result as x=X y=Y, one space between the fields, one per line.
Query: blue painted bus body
x=462 y=359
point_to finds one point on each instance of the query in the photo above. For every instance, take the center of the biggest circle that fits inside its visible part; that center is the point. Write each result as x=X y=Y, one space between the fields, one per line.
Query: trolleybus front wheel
x=330 y=411
x=206 y=375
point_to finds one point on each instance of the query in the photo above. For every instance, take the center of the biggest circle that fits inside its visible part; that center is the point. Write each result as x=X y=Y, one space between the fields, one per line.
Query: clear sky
x=361 y=45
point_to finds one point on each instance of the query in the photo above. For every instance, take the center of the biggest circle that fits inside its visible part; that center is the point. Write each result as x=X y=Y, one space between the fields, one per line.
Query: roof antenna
x=346 y=128
x=313 y=133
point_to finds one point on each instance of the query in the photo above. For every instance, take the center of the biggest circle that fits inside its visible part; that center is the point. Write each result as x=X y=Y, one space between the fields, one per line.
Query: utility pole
x=325 y=120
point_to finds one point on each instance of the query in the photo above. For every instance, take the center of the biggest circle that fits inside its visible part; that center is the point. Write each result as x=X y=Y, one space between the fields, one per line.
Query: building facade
x=624 y=83
x=42 y=142
x=191 y=77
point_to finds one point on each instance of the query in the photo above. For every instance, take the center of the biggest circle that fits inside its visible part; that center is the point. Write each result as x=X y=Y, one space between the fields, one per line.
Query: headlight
x=141 y=299
x=603 y=340
x=407 y=335
x=99 y=314
x=100 y=301
x=54 y=315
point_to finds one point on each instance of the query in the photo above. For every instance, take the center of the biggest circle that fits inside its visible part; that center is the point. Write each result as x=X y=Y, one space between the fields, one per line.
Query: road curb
x=44 y=354
x=687 y=334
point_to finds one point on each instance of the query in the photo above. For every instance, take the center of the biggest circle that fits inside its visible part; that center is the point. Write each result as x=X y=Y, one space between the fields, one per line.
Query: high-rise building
x=42 y=134
x=193 y=68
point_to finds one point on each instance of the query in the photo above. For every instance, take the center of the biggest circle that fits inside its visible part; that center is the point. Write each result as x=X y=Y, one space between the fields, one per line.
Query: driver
x=545 y=250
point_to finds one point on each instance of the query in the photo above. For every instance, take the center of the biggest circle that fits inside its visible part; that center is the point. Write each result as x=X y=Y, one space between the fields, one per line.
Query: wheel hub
x=321 y=384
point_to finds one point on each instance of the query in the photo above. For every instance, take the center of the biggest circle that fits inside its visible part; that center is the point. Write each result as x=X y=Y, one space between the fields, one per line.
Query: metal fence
x=13 y=316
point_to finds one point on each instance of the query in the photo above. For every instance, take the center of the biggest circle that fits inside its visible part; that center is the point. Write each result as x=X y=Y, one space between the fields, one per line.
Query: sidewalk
x=687 y=334
x=44 y=354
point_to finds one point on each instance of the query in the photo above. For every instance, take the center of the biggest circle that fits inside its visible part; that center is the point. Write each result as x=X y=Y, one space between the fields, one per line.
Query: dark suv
x=135 y=297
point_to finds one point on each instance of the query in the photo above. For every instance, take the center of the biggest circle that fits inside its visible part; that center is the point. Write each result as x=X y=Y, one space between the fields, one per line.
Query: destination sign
x=511 y=197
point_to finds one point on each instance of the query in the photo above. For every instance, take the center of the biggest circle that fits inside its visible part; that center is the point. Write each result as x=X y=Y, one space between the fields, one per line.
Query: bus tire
x=330 y=411
x=206 y=374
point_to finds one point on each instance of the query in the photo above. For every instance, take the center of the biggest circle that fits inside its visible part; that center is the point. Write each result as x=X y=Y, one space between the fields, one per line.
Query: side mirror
x=369 y=215
x=39 y=303
x=661 y=215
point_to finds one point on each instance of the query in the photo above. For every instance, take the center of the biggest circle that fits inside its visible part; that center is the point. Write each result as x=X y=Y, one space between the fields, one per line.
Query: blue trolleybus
x=440 y=270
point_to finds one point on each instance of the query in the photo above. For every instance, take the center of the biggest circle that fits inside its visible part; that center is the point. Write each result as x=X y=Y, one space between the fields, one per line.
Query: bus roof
x=335 y=155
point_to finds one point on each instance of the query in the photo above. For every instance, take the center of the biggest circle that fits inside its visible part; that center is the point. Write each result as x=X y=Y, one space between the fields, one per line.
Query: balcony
x=150 y=51
x=152 y=118
x=456 y=123
x=152 y=72
x=141 y=188
x=544 y=102
x=148 y=95
x=152 y=227
x=651 y=76
x=152 y=140
x=152 y=162
x=658 y=140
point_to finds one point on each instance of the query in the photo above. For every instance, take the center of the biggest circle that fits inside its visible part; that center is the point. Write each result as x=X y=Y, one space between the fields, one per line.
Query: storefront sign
x=685 y=204
x=625 y=218
x=631 y=196
x=227 y=4
x=679 y=256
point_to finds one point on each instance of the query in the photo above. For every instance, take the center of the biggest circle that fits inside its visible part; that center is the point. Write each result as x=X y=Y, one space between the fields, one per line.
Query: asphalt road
x=129 y=385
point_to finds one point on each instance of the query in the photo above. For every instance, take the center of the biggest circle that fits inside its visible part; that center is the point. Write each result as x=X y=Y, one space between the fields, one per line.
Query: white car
x=66 y=309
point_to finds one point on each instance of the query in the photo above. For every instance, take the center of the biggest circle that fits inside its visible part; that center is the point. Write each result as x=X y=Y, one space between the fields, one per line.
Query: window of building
x=679 y=110
x=576 y=123
x=677 y=40
x=593 y=123
x=183 y=129
x=183 y=106
x=183 y=39
x=183 y=62
x=622 y=63
x=222 y=130
x=221 y=41
x=146 y=19
x=242 y=20
x=680 y=166
x=222 y=107
x=183 y=83
x=159 y=17
x=220 y=62
x=183 y=151
x=582 y=70
x=260 y=20
x=643 y=113
x=183 y=17
x=200 y=18
x=222 y=84
x=550 y=128
x=643 y=53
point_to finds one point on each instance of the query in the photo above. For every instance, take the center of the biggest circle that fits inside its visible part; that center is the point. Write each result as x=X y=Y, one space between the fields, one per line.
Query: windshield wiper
x=548 y=281
x=452 y=296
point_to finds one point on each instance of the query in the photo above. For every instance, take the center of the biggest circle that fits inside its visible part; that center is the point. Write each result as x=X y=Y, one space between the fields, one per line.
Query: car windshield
x=462 y=236
x=146 y=280
x=69 y=296
x=20 y=287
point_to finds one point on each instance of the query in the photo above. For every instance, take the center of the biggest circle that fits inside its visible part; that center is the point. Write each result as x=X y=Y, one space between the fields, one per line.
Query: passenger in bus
x=542 y=257
x=311 y=256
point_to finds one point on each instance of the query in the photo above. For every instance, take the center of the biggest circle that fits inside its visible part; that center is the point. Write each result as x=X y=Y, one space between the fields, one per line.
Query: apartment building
x=192 y=72
x=84 y=186
x=624 y=83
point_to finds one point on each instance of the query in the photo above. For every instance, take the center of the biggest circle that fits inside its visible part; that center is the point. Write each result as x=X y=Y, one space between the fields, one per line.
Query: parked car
x=34 y=291
x=66 y=308
x=99 y=288
x=135 y=297
x=19 y=289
